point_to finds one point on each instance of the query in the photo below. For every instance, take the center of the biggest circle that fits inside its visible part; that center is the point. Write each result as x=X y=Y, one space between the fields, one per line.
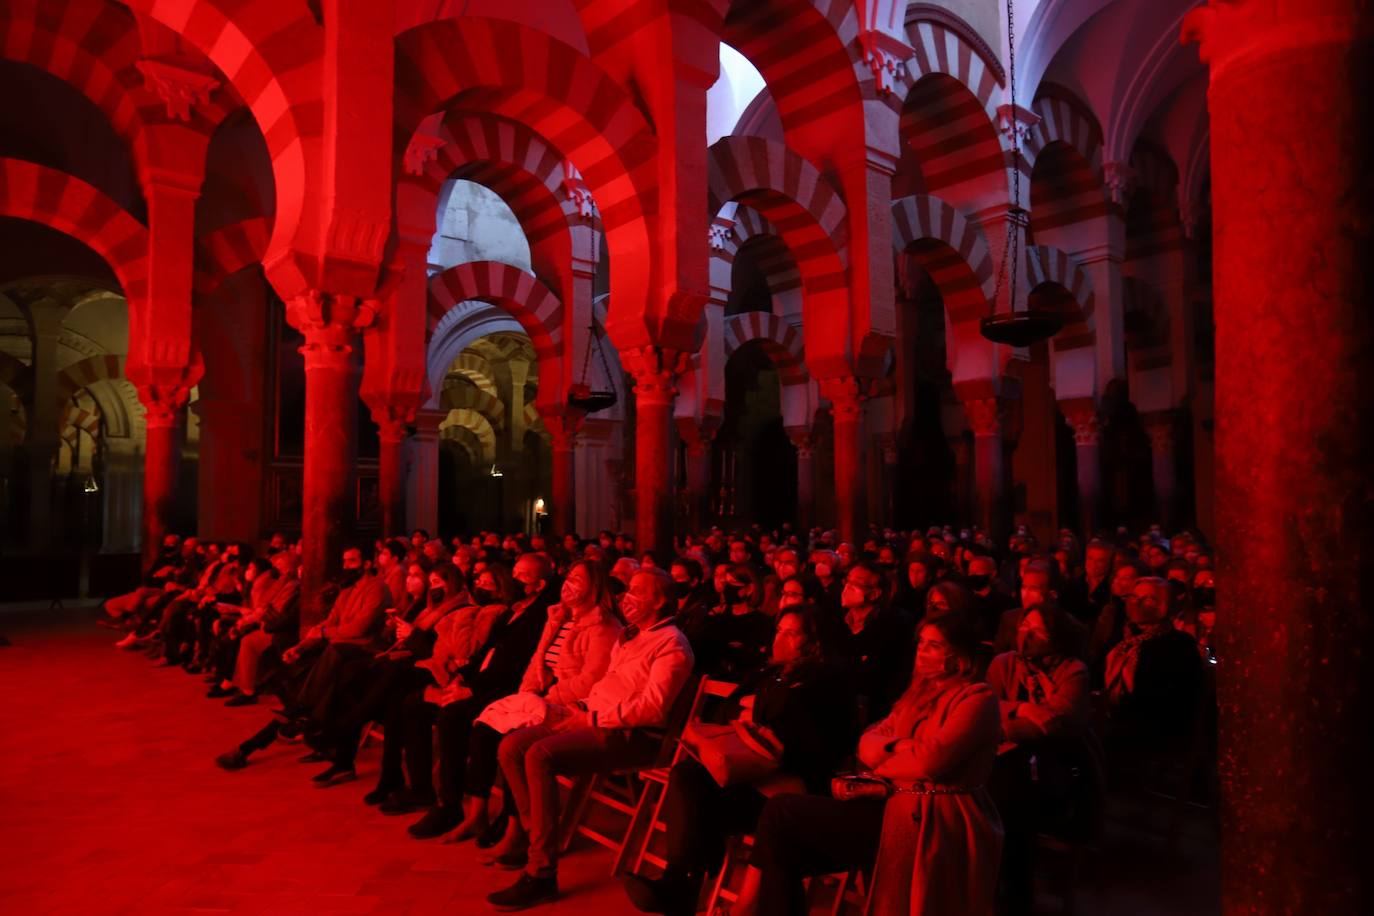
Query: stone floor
x=110 y=803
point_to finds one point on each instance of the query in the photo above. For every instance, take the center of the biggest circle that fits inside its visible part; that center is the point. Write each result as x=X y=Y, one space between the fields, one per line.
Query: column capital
x=1121 y=181
x=846 y=395
x=697 y=436
x=1161 y=427
x=803 y=440
x=1082 y=415
x=655 y=371
x=1227 y=32
x=427 y=424
x=163 y=403
x=422 y=149
x=330 y=323
x=1013 y=121
x=562 y=425
x=986 y=416
x=180 y=88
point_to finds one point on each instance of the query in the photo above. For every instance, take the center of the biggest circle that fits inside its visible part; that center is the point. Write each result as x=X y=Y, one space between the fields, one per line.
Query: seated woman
x=734 y=638
x=492 y=672
x=938 y=839
x=267 y=630
x=259 y=580
x=1044 y=694
x=811 y=712
x=572 y=655
x=392 y=675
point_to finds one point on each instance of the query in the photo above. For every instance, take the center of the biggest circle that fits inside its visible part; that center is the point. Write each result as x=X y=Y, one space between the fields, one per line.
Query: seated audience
x=873 y=640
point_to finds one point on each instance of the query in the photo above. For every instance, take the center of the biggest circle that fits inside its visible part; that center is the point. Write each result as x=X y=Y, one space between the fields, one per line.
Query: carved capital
x=393 y=413
x=577 y=191
x=803 y=440
x=655 y=371
x=1016 y=122
x=1121 y=181
x=720 y=233
x=1161 y=427
x=986 y=416
x=181 y=89
x=164 y=404
x=1082 y=415
x=696 y=436
x=886 y=56
x=846 y=395
x=421 y=151
x=562 y=425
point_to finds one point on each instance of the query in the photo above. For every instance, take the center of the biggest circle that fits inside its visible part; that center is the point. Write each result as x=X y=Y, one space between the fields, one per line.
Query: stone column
x=563 y=443
x=41 y=439
x=1159 y=426
x=229 y=477
x=422 y=481
x=804 y=441
x=986 y=418
x=1081 y=414
x=328 y=498
x=165 y=419
x=846 y=398
x=391 y=486
x=655 y=373
x=698 y=437
x=122 y=494
x=1289 y=100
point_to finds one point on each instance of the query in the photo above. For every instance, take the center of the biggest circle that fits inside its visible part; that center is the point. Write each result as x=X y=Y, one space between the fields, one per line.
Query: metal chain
x=1011 y=250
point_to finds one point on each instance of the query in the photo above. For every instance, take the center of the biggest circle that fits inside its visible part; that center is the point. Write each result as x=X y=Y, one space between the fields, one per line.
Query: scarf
x=1125 y=656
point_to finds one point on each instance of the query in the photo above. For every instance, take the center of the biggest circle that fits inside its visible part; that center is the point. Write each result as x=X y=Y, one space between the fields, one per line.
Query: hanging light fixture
x=91 y=485
x=496 y=471
x=1027 y=326
x=581 y=395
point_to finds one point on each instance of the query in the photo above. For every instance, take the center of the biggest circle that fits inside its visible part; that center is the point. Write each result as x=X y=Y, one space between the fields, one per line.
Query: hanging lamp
x=581 y=395
x=1028 y=326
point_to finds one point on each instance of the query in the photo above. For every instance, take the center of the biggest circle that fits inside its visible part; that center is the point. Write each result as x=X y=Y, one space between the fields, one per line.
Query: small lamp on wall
x=91 y=485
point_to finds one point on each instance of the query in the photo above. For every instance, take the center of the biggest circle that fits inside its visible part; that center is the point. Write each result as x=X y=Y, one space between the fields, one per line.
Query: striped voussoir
x=780 y=340
x=1064 y=152
x=229 y=249
x=87 y=372
x=810 y=66
x=76 y=420
x=528 y=77
x=941 y=48
x=476 y=369
x=458 y=395
x=948 y=128
x=951 y=249
x=467 y=440
x=1046 y=265
x=475 y=423
x=68 y=204
x=534 y=419
x=807 y=212
x=1153 y=224
x=538 y=310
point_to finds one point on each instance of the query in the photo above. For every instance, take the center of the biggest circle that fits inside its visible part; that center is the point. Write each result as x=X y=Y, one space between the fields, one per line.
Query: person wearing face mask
x=1044 y=697
x=391 y=569
x=874 y=640
x=825 y=566
x=735 y=637
x=494 y=670
x=258 y=582
x=390 y=678
x=618 y=725
x=801 y=699
x=1111 y=622
x=691 y=601
x=989 y=602
x=937 y=839
x=572 y=655
x=1200 y=614
x=1153 y=676
x=920 y=572
x=1039 y=585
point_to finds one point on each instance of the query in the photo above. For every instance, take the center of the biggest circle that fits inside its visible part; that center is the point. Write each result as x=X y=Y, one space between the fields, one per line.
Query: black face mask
x=979 y=582
x=350 y=577
x=436 y=595
x=482 y=596
x=1205 y=596
x=730 y=594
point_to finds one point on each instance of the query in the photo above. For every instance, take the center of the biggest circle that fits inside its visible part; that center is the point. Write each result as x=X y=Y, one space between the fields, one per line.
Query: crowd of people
x=919 y=707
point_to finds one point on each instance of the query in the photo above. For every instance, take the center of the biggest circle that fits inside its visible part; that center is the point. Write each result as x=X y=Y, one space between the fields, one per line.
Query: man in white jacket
x=618 y=725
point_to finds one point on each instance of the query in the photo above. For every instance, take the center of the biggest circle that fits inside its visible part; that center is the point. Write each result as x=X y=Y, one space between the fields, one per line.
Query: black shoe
x=438 y=821
x=379 y=796
x=334 y=776
x=673 y=895
x=527 y=892
x=406 y=801
x=234 y=760
x=218 y=693
x=242 y=699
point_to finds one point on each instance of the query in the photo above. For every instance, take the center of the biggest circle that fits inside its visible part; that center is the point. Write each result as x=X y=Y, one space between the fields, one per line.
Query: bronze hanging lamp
x=1027 y=326
x=581 y=394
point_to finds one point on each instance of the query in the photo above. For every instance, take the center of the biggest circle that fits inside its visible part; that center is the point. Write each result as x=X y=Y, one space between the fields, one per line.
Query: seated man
x=1039 y=581
x=1153 y=675
x=617 y=726
x=122 y=608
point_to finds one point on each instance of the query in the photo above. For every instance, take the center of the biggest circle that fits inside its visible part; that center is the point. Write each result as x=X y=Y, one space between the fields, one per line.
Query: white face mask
x=572 y=592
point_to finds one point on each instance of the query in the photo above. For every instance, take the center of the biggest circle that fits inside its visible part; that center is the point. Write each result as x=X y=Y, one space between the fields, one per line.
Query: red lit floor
x=110 y=803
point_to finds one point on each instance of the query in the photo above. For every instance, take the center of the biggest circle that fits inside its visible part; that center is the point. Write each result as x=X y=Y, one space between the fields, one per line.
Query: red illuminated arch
x=528 y=301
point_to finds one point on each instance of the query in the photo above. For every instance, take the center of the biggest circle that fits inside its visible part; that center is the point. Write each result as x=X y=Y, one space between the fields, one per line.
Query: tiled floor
x=110 y=803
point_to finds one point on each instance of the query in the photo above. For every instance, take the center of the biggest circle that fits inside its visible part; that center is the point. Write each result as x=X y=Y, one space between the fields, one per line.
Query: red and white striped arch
x=941 y=47
x=1072 y=293
x=67 y=204
x=77 y=419
x=475 y=423
x=809 y=216
x=1064 y=152
x=475 y=369
x=460 y=395
x=229 y=249
x=538 y=310
x=87 y=372
x=775 y=336
x=1152 y=221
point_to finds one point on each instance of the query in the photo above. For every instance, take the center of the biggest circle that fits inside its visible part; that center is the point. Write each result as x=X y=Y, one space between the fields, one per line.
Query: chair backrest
x=688 y=708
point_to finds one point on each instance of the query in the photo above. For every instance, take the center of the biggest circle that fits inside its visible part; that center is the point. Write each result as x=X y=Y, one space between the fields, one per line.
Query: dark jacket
x=496 y=668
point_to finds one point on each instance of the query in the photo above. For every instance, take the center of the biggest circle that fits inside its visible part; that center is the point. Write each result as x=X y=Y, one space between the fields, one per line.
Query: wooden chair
x=848 y=890
x=614 y=794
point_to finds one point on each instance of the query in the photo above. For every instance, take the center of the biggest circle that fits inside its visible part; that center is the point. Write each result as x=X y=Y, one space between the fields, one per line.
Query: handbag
x=858 y=786
x=734 y=754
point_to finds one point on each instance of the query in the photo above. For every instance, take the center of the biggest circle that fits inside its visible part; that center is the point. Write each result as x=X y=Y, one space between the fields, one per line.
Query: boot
x=474 y=820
